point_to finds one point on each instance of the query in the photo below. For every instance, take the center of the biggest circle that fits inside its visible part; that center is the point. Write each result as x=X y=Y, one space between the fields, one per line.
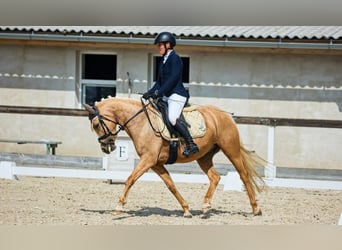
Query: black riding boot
x=184 y=132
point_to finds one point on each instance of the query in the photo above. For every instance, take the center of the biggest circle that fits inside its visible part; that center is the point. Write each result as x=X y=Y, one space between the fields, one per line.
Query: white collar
x=167 y=55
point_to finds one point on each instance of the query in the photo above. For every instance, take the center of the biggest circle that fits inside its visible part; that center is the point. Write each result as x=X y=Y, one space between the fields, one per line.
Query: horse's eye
x=96 y=126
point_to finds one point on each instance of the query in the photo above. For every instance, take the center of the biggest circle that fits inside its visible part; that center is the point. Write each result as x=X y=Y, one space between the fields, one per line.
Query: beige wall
x=248 y=84
x=74 y=132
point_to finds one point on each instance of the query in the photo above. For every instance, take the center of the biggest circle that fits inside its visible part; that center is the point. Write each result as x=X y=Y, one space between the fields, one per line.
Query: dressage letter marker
x=122 y=150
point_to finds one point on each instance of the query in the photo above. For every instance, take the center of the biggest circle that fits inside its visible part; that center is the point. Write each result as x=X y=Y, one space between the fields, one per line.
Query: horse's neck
x=124 y=110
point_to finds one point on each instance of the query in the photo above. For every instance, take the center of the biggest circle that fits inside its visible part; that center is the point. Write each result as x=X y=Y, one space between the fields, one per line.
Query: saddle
x=190 y=116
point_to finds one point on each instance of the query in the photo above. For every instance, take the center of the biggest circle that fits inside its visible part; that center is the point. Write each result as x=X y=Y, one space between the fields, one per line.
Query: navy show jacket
x=169 y=79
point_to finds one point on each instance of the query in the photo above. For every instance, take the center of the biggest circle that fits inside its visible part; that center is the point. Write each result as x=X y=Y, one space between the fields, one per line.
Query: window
x=96 y=93
x=186 y=69
x=97 y=76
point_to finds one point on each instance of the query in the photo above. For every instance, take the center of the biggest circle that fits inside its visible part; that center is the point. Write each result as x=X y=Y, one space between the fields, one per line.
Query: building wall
x=37 y=76
x=248 y=84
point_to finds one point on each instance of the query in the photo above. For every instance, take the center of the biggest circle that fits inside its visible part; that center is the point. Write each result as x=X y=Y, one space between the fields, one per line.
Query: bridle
x=107 y=131
x=105 y=128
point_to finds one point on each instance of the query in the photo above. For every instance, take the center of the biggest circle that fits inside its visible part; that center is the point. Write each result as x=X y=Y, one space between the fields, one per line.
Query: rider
x=170 y=87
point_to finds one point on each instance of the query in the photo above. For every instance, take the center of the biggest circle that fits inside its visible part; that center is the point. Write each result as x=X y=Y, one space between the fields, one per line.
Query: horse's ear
x=90 y=109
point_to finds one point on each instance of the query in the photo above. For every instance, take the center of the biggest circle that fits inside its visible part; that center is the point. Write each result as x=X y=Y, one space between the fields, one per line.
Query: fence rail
x=42 y=111
x=267 y=121
x=288 y=122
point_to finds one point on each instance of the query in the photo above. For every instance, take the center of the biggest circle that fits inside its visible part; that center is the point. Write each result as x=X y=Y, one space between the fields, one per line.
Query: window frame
x=82 y=83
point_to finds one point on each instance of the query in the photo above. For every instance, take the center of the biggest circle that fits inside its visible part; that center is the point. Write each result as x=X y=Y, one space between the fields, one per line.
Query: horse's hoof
x=117 y=212
x=258 y=213
x=119 y=209
x=187 y=215
x=205 y=208
x=205 y=211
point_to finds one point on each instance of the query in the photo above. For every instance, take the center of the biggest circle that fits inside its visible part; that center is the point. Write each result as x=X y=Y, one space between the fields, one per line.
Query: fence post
x=6 y=170
x=270 y=169
x=105 y=160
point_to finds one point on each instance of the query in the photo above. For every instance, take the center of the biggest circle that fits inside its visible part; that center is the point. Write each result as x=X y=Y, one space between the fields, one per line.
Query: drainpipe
x=193 y=42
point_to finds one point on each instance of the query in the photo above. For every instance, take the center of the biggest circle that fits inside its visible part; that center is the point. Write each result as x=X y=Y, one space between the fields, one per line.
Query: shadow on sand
x=150 y=211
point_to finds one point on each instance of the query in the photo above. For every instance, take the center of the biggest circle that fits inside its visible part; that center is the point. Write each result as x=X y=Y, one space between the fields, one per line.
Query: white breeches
x=176 y=104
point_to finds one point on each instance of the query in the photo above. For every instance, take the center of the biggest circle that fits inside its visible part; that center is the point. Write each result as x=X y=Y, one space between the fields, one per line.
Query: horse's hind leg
x=206 y=164
x=236 y=158
x=165 y=176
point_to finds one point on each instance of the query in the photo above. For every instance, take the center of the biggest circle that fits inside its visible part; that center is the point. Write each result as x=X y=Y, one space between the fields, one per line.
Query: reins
x=148 y=116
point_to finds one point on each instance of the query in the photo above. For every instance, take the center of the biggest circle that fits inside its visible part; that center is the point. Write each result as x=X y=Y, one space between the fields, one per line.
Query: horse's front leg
x=138 y=171
x=165 y=176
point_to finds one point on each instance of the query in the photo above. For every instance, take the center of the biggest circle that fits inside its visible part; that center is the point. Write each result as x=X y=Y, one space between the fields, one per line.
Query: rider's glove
x=155 y=95
x=147 y=95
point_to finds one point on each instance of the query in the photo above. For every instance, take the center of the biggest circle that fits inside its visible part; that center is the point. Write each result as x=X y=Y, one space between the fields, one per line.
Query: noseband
x=104 y=126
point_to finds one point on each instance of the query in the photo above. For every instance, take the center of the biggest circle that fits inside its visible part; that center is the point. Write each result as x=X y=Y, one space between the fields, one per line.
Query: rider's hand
x=147 y=95
x=155 y=95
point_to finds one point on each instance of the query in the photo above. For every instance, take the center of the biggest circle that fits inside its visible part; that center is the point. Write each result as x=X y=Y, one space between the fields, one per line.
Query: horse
x=112 y=115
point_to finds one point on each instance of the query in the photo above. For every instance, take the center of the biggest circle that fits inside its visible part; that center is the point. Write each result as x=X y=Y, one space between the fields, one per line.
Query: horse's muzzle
x=108 y=147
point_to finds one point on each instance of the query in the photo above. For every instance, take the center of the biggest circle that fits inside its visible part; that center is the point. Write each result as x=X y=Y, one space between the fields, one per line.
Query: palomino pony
x=112 y=115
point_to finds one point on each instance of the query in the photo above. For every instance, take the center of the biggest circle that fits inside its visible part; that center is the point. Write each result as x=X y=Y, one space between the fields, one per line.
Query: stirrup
x=193 y=149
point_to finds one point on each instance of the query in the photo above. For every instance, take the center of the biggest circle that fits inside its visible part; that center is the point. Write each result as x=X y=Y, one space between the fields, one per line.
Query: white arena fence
x=232 y=182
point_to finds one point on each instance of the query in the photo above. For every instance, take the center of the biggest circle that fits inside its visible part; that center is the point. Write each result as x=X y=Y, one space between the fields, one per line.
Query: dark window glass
x=186 y=69
x=99 y=67
x=96 y=93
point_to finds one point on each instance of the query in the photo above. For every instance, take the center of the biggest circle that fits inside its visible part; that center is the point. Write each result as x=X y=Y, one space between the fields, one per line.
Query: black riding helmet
x=165 y=37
